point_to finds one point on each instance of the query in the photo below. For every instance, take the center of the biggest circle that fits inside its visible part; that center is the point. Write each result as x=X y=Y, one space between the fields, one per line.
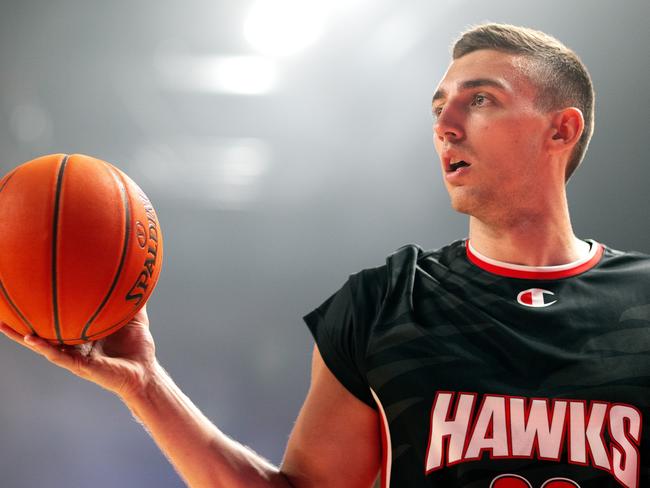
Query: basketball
x=80 y=248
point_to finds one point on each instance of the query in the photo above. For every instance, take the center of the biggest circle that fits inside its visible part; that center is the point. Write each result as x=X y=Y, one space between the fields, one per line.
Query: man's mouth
x=453 y=166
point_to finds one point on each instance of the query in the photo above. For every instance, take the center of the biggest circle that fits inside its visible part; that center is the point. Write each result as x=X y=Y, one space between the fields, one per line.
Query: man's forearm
x=203 y=455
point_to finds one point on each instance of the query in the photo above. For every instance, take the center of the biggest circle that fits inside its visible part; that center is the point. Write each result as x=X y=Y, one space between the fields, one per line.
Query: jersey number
x=515 y=481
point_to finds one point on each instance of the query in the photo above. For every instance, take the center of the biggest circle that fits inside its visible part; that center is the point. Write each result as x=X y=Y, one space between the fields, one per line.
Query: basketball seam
x=95 y=334
x=2 y=288
x=114 y=326
x=9 y=176
x=13 y=305
x=125 y=248
x=55 y=238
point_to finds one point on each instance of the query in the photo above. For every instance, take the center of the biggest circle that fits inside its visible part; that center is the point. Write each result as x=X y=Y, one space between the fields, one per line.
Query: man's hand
x=120 y=362
x=335 y=442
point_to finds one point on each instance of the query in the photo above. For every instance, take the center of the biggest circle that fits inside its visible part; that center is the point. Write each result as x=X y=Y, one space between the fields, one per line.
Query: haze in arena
x=285 y=144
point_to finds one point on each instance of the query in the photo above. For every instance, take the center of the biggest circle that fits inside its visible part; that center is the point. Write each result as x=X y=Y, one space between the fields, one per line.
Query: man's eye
x=436 y=112
x=479 y=100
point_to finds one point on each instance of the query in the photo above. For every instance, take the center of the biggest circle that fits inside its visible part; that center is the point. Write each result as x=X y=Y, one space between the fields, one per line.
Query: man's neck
x=539 y=241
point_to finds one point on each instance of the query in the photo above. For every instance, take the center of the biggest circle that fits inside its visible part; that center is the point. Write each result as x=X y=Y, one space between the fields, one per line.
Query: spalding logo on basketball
x=80 y=248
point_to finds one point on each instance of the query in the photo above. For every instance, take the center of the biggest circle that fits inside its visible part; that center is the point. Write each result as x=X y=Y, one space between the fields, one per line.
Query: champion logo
x=536 y=297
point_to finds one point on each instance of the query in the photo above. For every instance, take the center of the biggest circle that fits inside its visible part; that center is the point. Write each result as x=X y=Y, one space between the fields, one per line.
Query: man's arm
x=335 y=441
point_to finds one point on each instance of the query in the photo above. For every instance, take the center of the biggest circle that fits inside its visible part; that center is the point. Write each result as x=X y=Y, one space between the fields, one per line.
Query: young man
x=516 y=358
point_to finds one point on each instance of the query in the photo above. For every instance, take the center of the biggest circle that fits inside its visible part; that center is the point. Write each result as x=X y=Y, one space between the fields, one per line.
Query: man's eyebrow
x=469 y=84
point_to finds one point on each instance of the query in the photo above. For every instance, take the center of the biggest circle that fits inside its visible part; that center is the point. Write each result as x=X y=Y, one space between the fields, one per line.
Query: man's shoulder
x=401 y=265
x=411 y=254
x=627 y=260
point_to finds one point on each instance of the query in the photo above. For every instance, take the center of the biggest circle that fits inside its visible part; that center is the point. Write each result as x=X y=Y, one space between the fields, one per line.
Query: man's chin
x=461 y=203
x=461 y=209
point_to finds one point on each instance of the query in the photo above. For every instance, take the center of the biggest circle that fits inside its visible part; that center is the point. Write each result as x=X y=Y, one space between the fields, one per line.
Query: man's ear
x=566 y=128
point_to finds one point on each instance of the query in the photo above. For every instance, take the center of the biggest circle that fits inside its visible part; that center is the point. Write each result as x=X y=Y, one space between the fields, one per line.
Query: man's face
x=485 y=116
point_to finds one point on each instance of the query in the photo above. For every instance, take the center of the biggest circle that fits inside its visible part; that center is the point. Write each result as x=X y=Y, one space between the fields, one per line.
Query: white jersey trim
x=537 y=269
x=388 y=457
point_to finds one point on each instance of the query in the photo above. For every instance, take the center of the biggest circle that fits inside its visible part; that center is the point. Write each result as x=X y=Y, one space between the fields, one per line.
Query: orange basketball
x=80 y=248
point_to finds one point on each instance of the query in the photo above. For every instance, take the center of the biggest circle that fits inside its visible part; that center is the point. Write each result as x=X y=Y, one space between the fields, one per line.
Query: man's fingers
x=67 y=357
x=13 y=335
x=35 y=343
x=10 y=333
x=40 y=345
x=87 y=360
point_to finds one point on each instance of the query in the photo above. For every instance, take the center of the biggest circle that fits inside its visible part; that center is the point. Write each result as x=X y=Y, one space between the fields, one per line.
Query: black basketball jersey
x=489 y=375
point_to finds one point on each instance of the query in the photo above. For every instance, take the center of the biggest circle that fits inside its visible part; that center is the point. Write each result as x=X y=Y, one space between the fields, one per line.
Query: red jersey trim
x=536 y=272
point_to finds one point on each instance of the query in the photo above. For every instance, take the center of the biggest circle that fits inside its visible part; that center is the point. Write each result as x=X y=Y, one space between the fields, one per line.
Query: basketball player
x=516 y=358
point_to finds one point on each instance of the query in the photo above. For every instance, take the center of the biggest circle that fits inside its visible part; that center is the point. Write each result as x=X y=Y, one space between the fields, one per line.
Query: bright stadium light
x=240 y=75
x=284 y=27
x=246 y=75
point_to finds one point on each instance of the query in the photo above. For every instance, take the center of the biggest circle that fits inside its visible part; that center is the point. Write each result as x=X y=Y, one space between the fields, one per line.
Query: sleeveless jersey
x=487 y=375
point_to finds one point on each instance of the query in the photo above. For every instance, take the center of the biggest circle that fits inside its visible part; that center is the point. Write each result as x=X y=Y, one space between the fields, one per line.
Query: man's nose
x=448 y=126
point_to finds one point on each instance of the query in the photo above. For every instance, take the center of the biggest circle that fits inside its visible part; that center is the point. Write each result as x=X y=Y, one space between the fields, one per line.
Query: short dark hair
x=561 y=78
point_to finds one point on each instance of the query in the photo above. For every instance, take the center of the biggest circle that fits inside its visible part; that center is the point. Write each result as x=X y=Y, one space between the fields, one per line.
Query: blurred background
x=285 y=144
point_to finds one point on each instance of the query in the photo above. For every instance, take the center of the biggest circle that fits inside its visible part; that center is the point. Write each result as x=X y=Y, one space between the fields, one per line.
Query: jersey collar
x=536 y=272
